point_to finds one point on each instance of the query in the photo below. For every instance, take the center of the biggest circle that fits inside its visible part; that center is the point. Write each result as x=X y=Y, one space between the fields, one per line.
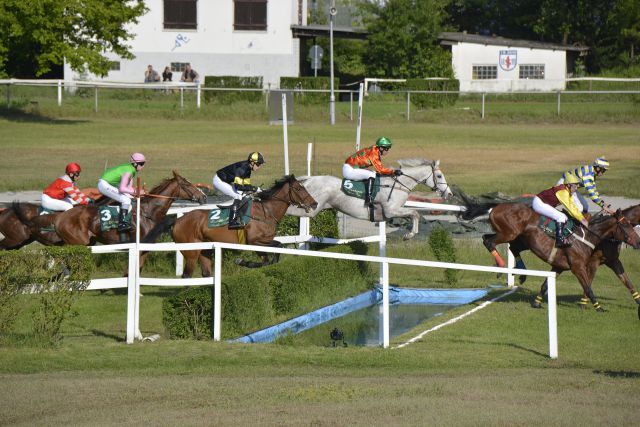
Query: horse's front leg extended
x=585 y=279
x=537 y=302
x=412 y=214
x=618 y=268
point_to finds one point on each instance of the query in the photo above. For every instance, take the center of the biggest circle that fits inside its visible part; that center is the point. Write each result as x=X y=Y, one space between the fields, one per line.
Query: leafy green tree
x=403 y=39
x=38 y=35
x=627 y=17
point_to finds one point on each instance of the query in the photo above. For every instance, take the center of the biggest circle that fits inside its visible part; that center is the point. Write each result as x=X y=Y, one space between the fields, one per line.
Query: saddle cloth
x=45 y=211
x=109 y=217
x=548 y=225
x=357 y=188
x=219 y=217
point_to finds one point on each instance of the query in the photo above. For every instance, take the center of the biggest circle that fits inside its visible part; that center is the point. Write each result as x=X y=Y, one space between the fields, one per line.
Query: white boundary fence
x=134 y=280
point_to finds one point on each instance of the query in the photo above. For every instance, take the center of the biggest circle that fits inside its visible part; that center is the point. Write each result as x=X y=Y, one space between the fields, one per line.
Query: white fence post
x=217 y=293
x=59 y=93
x=383 y=330
x=553 y=320
x=482 y=113
x=95 y=90
x=511 y=262
x=179 y=257
x=359 y=121
x=408 y=105
x=131 y=296
x=305 y=222
x=198 y=96
x=284 y=131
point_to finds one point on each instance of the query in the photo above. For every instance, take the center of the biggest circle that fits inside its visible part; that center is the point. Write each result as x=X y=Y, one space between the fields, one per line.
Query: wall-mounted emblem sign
x=508 y=59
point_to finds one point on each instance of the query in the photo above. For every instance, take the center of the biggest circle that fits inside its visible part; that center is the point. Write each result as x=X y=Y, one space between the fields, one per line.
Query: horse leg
x=585 y=277
x=618 y=269
x=205 y=263
x=489 y=241
x=190 y=259
x=539 y=299
x=516 y=247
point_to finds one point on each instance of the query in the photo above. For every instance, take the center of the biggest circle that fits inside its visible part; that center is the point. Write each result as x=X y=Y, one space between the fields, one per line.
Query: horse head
x=632 y=214
x=291 y=191
x=188 y=191
x=624 y=231
x=426 y=172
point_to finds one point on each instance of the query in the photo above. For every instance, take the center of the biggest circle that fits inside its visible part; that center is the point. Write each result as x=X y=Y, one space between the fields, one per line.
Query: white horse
x=388 y=203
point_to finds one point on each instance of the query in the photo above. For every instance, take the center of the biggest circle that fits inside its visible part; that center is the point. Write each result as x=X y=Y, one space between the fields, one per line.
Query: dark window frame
x=484 y=72
x=185 y=20
x=531 y=71
x=250 y=15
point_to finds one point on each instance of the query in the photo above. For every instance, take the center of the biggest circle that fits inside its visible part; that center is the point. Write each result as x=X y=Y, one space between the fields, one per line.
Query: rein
x=417 y=181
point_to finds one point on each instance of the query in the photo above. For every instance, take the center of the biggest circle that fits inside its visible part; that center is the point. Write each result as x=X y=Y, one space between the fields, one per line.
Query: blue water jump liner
x=367 y=299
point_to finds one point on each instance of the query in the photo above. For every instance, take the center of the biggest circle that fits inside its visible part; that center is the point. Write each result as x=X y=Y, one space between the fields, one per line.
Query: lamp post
x=332 y=96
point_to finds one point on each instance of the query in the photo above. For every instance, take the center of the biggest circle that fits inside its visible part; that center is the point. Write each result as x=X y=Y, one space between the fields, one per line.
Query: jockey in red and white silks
x=63 y=194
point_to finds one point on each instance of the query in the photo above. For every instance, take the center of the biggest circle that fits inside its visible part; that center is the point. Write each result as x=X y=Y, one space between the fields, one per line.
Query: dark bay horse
x=607 y=252
x=512 y=221
x=269 y=207
x=81 y=225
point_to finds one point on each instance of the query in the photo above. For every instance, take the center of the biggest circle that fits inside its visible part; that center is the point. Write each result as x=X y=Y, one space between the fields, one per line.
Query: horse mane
x=158 y=189
x=414 y=162
x=269 y=193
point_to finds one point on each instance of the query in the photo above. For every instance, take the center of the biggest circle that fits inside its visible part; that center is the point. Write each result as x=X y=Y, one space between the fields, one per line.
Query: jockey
x=117 y=184
x=235 y=179
x=62 y=194
x=587 y=175
x=545 y=202
x=354 y=167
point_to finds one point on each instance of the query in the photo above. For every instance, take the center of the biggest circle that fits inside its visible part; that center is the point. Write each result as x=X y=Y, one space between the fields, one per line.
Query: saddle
x=548 y=225
x=219 y=217
x=45 y=211
x=356 y=189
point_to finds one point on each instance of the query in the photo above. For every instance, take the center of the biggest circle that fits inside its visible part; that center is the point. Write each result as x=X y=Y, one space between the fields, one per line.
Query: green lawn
x=491 y=368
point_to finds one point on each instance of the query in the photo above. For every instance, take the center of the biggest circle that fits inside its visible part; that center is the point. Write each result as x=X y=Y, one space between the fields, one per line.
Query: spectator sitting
x=151 y=75
x=167 y=74
x=189 y=75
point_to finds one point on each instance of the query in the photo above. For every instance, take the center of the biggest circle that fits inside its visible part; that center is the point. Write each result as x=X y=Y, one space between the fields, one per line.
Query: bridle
x=301 y=205
x=424 y=181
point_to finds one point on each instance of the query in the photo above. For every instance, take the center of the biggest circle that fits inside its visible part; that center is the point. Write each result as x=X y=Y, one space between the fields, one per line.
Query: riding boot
x=368 y=199
x=122 y=223
x=234 y=215
x=561 y=242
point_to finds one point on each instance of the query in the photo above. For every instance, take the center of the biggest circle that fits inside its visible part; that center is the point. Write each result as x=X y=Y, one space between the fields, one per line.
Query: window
x=484 y=72
x=114 y=66
x=250 y=15
x=178 y=66
x=531 y=71
x=181 y=14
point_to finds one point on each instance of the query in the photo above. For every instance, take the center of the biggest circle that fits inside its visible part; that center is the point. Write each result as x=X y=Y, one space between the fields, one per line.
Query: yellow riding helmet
x=570 y=178
x=601 y=162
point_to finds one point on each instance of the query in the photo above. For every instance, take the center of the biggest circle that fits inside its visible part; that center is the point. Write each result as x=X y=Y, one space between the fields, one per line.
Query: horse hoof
x=522 y=279
x=408 y=236
x=601 y=310
x=239 y=261
x=536 y=304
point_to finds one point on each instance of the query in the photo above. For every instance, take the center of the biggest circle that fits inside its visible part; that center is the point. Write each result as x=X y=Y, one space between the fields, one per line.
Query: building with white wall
x=497 y=64
x=217 y=37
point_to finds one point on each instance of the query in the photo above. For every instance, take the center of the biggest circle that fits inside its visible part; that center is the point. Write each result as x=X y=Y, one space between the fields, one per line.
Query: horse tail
x=473 y=209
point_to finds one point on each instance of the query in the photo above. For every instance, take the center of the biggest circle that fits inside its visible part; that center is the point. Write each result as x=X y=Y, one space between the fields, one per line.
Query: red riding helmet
x=72 y=168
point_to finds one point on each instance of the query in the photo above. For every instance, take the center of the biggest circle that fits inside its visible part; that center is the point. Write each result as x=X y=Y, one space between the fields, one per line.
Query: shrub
x=232 y=82
x=57 y=275
x=325 y=224
x=433 y=100
x=307 y=98
x=442 y=246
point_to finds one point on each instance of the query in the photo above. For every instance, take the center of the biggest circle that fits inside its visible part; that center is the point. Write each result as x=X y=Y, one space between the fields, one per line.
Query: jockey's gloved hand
x=397 y=172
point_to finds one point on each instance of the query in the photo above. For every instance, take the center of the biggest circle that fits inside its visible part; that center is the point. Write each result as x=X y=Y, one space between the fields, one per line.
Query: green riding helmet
x=384 y=142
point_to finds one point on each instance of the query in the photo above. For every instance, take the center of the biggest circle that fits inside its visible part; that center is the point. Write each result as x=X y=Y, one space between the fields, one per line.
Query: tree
x=403 y=39
x=38 y=35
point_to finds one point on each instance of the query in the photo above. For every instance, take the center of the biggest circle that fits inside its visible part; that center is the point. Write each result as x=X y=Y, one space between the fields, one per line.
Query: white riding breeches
x=349 y=172
x=52 y=204
x=112 y=192
x=547 y=210
x=226 y=188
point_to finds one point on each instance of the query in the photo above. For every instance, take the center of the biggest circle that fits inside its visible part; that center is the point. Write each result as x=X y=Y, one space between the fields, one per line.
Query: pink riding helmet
x=138 y=158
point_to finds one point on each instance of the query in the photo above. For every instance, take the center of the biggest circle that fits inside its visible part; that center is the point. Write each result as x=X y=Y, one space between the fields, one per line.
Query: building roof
x=317 y=30
x=448 y=38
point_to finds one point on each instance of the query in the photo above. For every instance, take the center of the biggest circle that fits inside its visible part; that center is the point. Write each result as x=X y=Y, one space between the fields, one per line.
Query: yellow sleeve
x=567 y=201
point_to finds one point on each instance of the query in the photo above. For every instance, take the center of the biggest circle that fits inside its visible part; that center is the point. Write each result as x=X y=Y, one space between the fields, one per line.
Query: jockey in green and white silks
x=587 y=175
x=117 y=183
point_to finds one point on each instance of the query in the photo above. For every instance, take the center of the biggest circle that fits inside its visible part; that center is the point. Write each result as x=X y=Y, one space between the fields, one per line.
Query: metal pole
x=59 y=93
x=137 y=261
x=558 y=108
x=332 y=96
x=351 y=105
x=95 y=90
x=384 y=281
x=8 y=96
x=198 y=96
x=285 y=135
x=553 y=320
x=179 y=257
x=181 y=98
x=359 y=122
x=217 y=293
x=482 y=114
x=408 y=105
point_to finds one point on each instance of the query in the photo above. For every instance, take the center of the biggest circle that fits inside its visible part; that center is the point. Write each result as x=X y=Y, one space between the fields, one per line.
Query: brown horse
x=512 y=221
x=268 y=209
x=81 y=225
x=607 y=253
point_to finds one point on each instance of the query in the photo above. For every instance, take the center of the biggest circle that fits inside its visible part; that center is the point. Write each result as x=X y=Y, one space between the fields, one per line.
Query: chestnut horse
x=512 y=221
x=607 y=253
x=81 y=225
x=269 y=207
